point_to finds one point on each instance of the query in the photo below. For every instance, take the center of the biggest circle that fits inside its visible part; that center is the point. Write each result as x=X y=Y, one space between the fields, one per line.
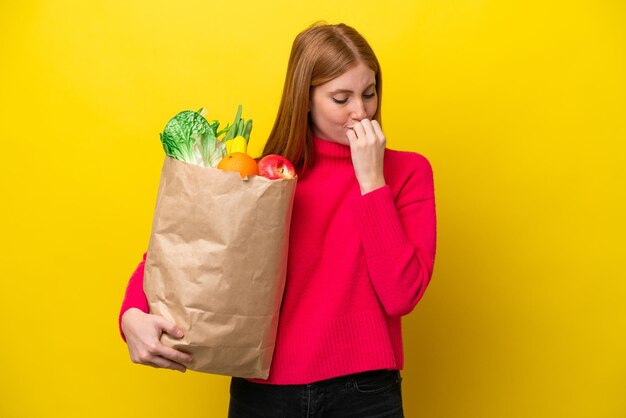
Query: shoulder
x=407 y=163
x=408 y=172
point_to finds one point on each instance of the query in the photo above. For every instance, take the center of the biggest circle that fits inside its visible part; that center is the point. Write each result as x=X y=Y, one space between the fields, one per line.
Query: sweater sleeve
x=399 y=238
x=135 y=296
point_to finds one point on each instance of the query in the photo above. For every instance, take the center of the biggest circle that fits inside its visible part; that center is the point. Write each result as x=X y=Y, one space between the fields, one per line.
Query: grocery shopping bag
x=216 y=265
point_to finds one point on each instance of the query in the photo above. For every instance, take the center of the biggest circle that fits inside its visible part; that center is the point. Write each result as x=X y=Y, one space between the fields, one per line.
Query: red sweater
x=357 y=264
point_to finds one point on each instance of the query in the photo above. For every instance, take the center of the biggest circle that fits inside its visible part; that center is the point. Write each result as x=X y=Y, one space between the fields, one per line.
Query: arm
x=399 y=238
x=135 y=296
x=144 y=330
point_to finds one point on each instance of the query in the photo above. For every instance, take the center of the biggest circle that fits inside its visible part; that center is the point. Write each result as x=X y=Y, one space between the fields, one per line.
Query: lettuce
x=189 y=137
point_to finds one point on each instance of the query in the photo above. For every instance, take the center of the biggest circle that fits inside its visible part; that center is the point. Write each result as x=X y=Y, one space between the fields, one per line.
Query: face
x=336 y=105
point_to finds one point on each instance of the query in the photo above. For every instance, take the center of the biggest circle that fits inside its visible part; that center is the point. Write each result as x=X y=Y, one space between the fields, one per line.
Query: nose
x=358 y=110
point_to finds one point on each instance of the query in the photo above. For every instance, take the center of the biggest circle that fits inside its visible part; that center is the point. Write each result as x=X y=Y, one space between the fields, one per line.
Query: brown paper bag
x=216 y=265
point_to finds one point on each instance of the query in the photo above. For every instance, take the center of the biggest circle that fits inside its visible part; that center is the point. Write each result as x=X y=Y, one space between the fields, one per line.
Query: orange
x=241 y=162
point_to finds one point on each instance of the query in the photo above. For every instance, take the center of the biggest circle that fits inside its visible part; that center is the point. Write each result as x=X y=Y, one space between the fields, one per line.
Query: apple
x=275 y=166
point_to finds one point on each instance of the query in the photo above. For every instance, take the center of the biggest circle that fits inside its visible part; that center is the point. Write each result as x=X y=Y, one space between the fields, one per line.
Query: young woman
x=361 y=249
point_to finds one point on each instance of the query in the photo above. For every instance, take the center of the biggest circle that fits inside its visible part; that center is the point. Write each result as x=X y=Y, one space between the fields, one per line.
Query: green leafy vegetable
x=239 y=127
x=189 y=137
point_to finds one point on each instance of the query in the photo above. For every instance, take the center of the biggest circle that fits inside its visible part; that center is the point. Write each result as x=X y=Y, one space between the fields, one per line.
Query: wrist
x=370 y=187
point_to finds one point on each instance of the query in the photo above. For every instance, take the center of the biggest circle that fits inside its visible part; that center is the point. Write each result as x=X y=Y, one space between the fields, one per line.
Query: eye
x=369 y=96
x=340 y=101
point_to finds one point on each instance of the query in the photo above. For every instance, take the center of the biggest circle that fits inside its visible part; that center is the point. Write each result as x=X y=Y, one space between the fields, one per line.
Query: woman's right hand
x=143 y=332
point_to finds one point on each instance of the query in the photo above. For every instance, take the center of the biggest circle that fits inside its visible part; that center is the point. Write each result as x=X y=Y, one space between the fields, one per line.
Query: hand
x=367 y=143
x=143 y=333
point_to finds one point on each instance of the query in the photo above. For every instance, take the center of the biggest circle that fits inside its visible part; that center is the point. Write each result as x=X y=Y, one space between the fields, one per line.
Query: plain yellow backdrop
x=519 y=105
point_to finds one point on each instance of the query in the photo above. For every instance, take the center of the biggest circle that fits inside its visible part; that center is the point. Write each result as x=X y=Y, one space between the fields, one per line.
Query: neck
x=332 y=153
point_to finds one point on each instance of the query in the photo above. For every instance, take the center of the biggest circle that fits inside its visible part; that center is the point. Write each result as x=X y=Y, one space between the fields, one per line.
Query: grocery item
x=275 y=166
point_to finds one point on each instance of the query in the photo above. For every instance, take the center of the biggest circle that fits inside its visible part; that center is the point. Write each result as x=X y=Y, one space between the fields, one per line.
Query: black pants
x=372 y=394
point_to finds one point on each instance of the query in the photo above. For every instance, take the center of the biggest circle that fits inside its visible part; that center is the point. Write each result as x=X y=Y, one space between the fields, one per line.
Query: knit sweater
x=357 y=264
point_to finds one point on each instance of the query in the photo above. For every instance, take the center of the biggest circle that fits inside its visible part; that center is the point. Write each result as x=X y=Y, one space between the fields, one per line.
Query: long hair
x=319 y=54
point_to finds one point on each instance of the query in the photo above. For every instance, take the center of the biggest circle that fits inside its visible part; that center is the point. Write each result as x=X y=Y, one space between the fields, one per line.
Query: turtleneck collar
x=326 y=151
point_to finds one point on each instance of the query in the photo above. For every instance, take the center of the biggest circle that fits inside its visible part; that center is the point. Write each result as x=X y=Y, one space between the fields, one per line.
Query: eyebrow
x=349 y=91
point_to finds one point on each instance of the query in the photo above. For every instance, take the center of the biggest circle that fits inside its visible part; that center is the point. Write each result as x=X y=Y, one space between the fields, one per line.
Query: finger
x=170 y=327
x=160 y=362
x=360 y=132
x=174 y=355
x=378 y=130
x=369 y=129
x=351 y=136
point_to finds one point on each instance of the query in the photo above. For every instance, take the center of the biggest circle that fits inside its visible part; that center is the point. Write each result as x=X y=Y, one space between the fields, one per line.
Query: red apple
x=275 y=166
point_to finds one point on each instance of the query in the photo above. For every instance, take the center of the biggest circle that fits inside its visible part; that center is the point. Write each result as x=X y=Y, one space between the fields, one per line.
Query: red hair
x=319 y=54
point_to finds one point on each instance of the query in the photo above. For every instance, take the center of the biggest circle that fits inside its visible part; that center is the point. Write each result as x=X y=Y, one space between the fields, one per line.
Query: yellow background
x=519 y=105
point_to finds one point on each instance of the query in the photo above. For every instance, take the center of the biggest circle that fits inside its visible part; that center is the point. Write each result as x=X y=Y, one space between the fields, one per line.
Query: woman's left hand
x=367 y=143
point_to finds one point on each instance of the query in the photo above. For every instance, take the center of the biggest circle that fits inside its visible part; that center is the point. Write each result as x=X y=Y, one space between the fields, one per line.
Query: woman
x=361 y=249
